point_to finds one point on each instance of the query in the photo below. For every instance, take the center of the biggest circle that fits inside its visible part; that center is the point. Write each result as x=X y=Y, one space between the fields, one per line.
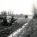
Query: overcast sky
x=17 y=6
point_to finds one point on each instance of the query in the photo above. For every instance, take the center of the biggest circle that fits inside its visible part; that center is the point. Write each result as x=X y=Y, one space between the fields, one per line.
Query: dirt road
x=19 y=32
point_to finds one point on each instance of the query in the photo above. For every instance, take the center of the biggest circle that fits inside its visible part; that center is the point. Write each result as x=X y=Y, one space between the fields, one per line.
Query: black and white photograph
x=18 y=18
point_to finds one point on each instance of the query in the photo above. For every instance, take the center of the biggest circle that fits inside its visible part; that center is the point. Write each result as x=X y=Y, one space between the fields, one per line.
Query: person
x=5 y=23
x=12 y=20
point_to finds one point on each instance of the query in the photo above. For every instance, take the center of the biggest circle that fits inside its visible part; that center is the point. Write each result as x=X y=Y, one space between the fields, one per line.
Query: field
x=23 y=20
x=14 y=27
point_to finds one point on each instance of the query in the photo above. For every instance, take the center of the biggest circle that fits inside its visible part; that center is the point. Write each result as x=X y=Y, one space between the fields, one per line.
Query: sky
x=17 y=6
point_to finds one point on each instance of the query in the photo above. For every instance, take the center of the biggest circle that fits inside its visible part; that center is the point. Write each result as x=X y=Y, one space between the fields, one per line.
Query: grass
x=31 y=29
